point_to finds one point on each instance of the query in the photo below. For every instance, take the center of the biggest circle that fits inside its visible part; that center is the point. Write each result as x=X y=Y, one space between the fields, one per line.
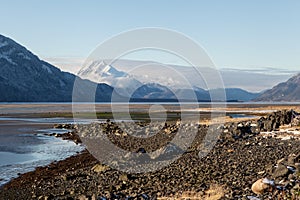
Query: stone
x=141 y=150
x=260 y=186
x=280 y=160
x=123 y=177
x=72 y=192
x=99 y=168
x=261 y=172
x=82 y=197
x=293 y=158
x=230 y=150
x=281 y=171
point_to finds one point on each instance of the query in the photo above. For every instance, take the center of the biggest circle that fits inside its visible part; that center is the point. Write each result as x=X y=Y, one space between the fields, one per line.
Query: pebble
x=99 y=168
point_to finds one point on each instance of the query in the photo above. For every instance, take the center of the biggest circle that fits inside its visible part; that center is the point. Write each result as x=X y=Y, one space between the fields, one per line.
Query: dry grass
x=215 y=192
x=226 y=119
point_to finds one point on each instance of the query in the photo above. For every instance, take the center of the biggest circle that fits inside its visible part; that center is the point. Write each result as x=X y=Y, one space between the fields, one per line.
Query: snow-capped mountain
x=255 y=80
x=24 y=77
x=101 y=72
x=100 y=69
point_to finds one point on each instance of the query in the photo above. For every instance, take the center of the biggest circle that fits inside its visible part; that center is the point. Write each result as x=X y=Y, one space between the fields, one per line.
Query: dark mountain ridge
x=26 y=78
x=286 y=91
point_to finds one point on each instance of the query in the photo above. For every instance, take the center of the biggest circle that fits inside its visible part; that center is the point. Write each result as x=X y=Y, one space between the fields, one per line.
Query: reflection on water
x=242 y=116
x=42 y=120
x=21 y=153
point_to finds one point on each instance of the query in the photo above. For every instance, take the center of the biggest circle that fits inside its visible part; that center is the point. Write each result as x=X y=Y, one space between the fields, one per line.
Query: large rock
x=281 y=171
x=260 y=186
x=275 y=120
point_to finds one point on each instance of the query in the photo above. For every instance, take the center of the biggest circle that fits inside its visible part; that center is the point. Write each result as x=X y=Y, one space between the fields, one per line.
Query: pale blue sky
x=235 y=33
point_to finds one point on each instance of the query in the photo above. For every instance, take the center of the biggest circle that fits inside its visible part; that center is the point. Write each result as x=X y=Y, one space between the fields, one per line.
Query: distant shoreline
x=51 y=109
x=165 y=102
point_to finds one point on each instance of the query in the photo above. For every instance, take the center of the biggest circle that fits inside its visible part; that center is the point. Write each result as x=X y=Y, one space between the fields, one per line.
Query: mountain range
x=253 y=79
x=286 y=91
x=26 y=78
x=128 y=85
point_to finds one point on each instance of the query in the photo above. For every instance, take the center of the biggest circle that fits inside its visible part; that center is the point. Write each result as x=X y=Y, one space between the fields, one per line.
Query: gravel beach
x=241 y=156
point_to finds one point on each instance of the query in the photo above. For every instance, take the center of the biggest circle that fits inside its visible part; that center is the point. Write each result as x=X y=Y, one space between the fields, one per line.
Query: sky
x=235 y=34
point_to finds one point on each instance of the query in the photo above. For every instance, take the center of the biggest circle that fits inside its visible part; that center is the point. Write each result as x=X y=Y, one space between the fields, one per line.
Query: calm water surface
x=24 y=149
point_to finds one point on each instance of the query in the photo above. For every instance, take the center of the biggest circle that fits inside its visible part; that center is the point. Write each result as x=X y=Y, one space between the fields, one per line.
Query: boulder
x=260 y=186
x=281 y=171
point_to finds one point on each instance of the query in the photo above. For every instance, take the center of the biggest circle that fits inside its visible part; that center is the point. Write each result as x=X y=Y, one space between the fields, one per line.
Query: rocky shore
x=248 y=161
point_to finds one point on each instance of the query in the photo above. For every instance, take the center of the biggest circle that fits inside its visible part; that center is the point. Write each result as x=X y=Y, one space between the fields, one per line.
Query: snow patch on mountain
x=3 y=44
x=101 y=72
x=47 y=69
x=6 y=57
x=24 y=56
x=100 y=69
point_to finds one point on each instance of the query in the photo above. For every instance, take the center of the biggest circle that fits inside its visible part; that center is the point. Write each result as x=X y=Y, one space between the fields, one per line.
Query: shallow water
x=242 y=116
x=21 y=153
x=43 y=120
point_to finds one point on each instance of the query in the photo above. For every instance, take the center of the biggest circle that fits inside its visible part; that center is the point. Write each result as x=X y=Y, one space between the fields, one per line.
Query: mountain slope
x=286 y=91
x=237 y=94
x=153 y=91
x=26 y=78
x=194 y=93
x=101 y=72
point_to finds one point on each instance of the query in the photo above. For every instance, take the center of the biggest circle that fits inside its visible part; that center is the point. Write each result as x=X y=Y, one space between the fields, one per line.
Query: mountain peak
x=99 y=69
x=101 y=72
